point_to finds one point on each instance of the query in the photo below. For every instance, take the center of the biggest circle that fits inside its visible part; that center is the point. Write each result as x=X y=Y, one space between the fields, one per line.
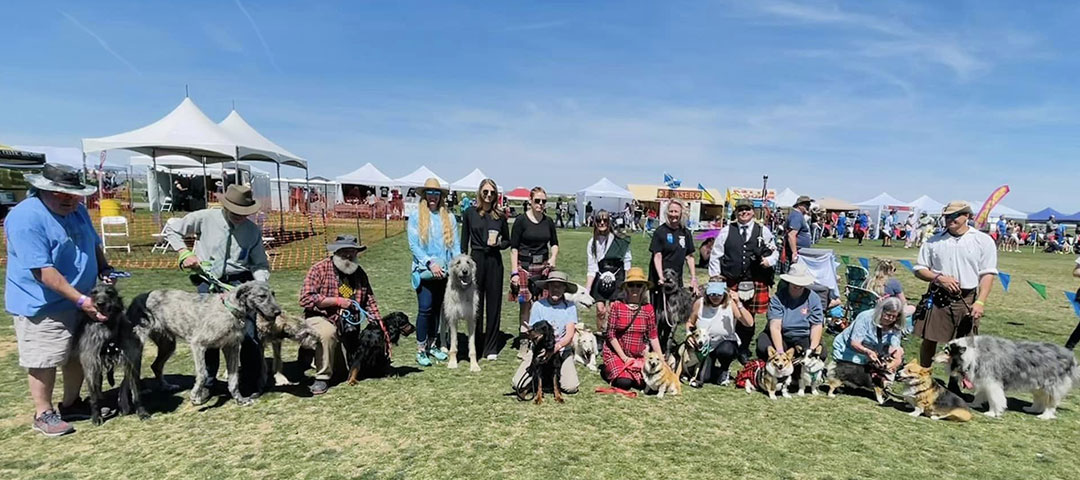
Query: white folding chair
x=160 y=242
x=166 y=205
x=107 y=232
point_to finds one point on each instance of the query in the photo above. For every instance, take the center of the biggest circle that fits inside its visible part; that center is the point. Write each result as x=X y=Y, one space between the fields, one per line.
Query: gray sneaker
x=50 y=424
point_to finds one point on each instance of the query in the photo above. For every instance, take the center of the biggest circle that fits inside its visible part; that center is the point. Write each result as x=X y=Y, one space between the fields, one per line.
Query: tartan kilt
x=759 y=303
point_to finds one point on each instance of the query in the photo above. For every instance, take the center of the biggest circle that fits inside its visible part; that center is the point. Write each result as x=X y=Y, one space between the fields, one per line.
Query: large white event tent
x=786 y=198
x=252 y=145
x=368 y=175
x=604 y=195
x=881 y=204
x=999 y=210
x=470 y=182
x=927 y=204
x=418 y=177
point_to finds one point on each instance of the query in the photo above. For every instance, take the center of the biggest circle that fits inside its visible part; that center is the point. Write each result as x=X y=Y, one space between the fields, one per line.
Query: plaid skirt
x=759 y=303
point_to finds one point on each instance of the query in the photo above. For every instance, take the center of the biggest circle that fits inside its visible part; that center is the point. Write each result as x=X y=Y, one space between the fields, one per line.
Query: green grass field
x=441 y=423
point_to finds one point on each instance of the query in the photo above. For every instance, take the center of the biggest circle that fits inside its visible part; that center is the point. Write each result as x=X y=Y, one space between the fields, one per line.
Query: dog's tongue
x=967 y=384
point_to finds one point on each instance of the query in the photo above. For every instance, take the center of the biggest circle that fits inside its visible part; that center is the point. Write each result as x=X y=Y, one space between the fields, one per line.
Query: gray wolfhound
x=105 y=345
x=205 y=321
x=459 y=303
x=995 y=365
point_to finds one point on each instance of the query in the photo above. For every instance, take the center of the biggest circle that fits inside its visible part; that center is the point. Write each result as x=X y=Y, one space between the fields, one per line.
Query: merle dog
x=368 y=350
x=103 y=346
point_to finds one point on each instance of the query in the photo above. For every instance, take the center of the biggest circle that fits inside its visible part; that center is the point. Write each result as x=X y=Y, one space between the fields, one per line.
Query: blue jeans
x=429 y=299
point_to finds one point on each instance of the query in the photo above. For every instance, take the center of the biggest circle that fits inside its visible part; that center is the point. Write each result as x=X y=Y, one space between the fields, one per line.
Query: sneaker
x=695 y=383
x=50 y=424
x=80 y=410
x=438 y=354
x=725 y=378
x=422 y=359
x=319 y=387
x=492 y=357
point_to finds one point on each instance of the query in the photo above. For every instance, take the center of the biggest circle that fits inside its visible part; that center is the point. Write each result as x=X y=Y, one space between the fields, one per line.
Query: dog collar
x=236 y=311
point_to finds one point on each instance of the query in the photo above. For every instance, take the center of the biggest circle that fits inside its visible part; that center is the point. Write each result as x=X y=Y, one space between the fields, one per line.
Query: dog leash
x=616 y=391
x=358 y=319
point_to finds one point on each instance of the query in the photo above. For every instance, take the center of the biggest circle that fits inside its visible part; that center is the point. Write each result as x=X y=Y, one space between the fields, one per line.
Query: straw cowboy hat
x=62 y=179
x=558 y=277
x=799 y=275
x=636 y=275
x=345 y=241
x=433 y=184
x=956 y=206
x=239 y=200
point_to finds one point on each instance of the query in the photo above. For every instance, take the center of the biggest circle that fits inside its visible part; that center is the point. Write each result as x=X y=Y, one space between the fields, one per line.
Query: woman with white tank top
x=717 y=313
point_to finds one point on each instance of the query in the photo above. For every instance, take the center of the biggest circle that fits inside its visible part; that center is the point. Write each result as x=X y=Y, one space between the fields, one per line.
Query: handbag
x=922 y=309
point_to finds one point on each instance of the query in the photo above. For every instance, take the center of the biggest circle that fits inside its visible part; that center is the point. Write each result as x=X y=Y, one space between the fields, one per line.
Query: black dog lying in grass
x=543 y=369
x=368 y=350
x=105 y=345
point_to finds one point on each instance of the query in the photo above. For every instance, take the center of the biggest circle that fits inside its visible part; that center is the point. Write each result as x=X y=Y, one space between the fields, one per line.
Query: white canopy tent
x=786 y=198
x=927 y=204
x=367 y=175
x=470 y=182
x=418 y=177
x=1000 y=210
x=281 y=187
x=604 y=195
x=882 y=204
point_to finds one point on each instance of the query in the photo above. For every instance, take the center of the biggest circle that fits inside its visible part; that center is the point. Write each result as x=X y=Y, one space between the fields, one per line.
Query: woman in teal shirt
x=874 y=334
x=433 y=240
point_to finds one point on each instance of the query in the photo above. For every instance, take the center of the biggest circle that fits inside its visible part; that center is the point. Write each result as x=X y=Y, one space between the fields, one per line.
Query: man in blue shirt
x=54 y=259
x=798 y=228
x=562 y=315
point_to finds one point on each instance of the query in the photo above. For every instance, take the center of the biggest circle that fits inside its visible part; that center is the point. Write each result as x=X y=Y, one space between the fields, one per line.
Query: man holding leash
x=228 y=251
x=960 y=263
x=743 y=256
x=56 y=260
x=333 y=290
x=562 y=315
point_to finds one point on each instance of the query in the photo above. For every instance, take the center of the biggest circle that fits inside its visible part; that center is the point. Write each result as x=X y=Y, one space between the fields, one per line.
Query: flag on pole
x=846 y=259
x=1040 y=288
x=865 y=263
x=1072 y=301
x=1005 y=279
x=705 y=194
x=989 y=204
x=671 y=181
x=907 y=264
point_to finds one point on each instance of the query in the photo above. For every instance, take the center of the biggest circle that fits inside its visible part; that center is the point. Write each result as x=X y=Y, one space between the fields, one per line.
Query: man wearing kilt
x=743 y=256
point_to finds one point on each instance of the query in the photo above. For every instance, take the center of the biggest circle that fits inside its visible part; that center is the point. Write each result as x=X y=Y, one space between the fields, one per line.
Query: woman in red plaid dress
x=631 y=330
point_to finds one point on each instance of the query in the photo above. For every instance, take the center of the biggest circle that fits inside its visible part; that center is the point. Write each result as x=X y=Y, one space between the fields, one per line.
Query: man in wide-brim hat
x=562 y=315
x=330 y=288
x=54 y=260
x=228 y=249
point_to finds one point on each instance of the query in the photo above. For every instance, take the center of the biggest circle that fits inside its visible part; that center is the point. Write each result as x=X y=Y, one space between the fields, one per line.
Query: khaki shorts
x=46 y=341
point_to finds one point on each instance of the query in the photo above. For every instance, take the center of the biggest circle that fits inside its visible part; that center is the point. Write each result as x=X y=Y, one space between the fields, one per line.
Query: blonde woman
x=484 y=235
x=433 y=241
x=608 y=257
x=534 y=246
x=884 y=283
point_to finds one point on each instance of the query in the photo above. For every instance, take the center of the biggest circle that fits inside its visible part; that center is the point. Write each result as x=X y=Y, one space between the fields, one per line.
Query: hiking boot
x=50 y=424
x=319 y=387
x=438 y=354
x=80 y=410
x=422 y=359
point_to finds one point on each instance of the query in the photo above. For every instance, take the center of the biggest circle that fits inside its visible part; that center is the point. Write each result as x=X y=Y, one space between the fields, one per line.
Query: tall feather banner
x=988 y=206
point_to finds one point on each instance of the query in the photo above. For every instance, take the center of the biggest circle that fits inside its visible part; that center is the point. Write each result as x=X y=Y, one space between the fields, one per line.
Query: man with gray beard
x=333 y=286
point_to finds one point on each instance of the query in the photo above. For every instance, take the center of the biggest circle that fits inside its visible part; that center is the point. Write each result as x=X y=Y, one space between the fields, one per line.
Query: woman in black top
x=484 y=235
x=533 y=249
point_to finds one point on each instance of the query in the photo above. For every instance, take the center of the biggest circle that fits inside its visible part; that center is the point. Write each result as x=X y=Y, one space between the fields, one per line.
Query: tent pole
x=236 y=163
x=281 y=206
x=205 y=187
x=157 y=214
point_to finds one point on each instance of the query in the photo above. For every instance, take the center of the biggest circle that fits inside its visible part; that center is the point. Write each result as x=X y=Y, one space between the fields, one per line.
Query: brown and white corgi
x=929 y=397
x=769 y=376
x=659 y=377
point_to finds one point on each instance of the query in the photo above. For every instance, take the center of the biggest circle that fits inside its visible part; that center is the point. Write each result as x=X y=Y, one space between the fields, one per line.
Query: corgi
x=874 y=376
x=813 y=370
x=585 y=347
x=929 y=398
x=659 y=377
x=769 y=376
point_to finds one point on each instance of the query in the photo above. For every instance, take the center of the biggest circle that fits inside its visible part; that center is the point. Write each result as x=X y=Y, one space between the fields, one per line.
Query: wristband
x=936 y=277
x=81 y=301
x=980 y=303
x=186 y=254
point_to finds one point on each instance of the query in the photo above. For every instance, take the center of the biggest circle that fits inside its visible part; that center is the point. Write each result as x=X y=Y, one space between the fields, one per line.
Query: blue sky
x=847 y=99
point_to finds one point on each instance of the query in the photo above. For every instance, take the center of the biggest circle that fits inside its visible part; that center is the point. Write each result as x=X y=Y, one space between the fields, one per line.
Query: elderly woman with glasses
x=433 y=241
x=484 y=235
x=631 y=331
x=534 y=246
x=874 y=335
x=608 y=257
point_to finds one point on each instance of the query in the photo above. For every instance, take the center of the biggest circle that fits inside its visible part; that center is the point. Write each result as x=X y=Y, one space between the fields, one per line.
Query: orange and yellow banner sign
x=691 y=195
x=989 y=204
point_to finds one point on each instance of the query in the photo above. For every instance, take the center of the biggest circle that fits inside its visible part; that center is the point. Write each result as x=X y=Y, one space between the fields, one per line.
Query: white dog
x=459 y=304
x=581 y=298
x=585 y=347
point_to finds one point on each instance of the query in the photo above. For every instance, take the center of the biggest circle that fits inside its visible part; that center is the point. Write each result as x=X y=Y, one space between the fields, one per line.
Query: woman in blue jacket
x=433 y=240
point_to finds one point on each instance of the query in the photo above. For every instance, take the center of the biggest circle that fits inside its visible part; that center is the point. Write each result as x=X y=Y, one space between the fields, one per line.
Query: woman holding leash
x=484 y=235
x=631 y=331
x=717 y=313
x=534 y=246
x=609 y=258
x=873 y=335
x=433 y=241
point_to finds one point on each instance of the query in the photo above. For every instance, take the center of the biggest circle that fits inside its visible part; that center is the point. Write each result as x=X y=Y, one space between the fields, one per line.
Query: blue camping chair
x=856 y=275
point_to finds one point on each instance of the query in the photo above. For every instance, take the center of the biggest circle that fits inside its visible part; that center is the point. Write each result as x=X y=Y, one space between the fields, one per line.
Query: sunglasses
x=953 y=216
x=743 y=210
x=635 y=286
x=540 y=201
x=487 y=193
x=433 y=193
x=602 y=221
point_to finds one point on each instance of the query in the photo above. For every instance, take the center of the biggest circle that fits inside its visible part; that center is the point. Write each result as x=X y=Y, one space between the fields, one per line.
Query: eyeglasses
x=487 y=193
x=540 y=201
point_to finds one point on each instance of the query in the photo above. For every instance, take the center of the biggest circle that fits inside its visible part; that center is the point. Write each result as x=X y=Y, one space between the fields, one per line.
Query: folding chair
x=107 y=233
x=859 y=300
x=856 y=275
x=166 y=205
x=160 y=242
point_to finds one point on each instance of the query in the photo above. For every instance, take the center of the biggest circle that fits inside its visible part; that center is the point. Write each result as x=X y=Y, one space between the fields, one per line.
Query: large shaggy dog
x=993 y=366
x=369 y=351
x=285 y=326
x=204 y=321
x=106 y=345
x=459 y=303
x=675 y=303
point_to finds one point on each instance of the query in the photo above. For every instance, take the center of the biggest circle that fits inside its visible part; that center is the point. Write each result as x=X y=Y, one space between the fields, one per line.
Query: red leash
x=617 y=391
